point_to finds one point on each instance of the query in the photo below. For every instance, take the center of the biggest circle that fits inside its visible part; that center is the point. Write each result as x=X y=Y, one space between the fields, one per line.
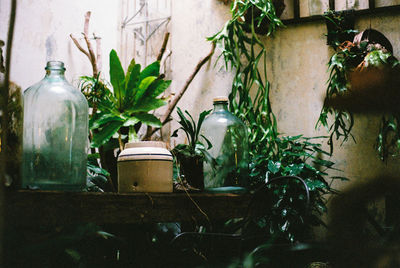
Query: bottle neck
x=51 y=73
x=55 y=69
x=220 y=106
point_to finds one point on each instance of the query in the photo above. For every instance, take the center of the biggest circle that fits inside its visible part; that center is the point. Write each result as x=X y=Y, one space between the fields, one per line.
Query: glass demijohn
x=55 y=133
x=228 y=137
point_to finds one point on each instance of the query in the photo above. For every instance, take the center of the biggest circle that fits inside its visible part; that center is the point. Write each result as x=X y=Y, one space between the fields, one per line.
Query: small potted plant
x=190 y=157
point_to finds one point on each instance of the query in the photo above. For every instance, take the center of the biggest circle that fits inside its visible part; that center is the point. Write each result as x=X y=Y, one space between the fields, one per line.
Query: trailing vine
x=350 y=57
x=271 y=155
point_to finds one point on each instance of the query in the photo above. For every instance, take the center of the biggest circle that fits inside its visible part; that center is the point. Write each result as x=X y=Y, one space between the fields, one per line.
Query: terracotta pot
x=373 y=90
x=145 y=167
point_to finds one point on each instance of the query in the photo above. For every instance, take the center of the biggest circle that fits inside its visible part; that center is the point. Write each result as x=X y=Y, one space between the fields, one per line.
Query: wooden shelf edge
x=26 y=207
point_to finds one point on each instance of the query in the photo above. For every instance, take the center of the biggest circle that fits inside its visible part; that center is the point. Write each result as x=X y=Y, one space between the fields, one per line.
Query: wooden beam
x=28 y=208
x=361 y=12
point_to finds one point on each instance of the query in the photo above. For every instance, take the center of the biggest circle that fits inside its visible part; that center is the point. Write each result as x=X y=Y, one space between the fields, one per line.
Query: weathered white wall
x=42 y=31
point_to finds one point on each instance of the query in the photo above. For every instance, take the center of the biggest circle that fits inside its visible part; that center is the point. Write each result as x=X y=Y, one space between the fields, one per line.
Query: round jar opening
x=55 y=65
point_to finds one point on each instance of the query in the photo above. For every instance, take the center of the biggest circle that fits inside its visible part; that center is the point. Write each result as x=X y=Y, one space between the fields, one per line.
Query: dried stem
x=174 y=102
x=163 y=47
x=89 y=52
x=79 y=46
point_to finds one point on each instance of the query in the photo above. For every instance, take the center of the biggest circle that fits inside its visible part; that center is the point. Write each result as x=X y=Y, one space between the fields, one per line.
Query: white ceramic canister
x=145 y=166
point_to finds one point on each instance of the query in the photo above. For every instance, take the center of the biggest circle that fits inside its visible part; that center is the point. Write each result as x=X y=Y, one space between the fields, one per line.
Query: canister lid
x=158 y=144
x=220 y=99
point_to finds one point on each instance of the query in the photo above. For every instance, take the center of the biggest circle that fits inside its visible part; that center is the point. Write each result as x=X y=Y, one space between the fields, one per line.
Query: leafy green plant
x=349 y=57
x=117 y=115
x=134 y=96
x=343 y=121
x=190 y=156
x=192 y=132
x=270 y=155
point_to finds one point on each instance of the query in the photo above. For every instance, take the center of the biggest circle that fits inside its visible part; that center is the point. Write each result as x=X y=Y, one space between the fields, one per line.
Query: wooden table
x=27 y=208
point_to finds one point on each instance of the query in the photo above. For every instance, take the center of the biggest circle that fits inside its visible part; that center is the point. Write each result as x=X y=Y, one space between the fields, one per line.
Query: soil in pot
x=191 y=168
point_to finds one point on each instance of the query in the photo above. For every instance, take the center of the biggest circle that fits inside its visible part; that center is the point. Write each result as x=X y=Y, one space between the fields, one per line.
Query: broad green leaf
x=132 y=64
x=117 y=77
x=106 y=133
x=156 y=88
x=151 y=70
x=131 y=122
x=146 y=106
x=131 y=86
x=148 y=119
x=202 y=116
x=106 y=118
x=143 y=87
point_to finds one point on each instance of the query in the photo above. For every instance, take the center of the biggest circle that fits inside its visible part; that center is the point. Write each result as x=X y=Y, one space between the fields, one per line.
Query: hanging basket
x=371 y=88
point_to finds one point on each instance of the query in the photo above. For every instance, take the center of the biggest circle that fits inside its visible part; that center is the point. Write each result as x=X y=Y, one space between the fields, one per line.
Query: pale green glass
x=228 y=137
x=55 y=134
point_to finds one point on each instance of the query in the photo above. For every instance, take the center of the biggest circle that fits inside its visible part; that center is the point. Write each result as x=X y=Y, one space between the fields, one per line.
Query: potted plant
x=190 y=157
x=121 y=112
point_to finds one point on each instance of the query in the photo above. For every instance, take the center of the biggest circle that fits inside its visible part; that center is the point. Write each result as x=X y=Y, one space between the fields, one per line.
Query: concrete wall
x=42 y=31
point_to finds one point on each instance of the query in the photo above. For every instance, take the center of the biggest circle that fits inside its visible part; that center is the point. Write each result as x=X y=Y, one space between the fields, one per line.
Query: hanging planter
x=372 y=83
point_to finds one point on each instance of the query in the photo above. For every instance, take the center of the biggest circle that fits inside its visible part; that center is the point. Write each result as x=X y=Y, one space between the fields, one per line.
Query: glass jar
x=228 y=137
x=55 y=133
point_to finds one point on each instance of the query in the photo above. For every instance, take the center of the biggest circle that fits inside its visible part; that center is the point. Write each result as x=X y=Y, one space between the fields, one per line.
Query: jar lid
x=138 y=144
x=220 y=99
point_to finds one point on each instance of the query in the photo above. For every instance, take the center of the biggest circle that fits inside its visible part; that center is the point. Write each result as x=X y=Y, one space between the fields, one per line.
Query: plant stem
x=171 y=106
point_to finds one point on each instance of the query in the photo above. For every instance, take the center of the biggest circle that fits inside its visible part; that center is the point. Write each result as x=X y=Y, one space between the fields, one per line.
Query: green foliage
x=134 y=96
x=343 y=121
x=270 y=155
x=192 y=131
x=347 y=58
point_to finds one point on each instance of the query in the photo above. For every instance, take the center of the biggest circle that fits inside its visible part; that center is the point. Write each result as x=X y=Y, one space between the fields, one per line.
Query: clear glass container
x=228 y=137
x=55 y=133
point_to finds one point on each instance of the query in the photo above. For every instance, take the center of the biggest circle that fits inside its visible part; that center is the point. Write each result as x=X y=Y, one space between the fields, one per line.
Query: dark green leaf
x=148 y=119
x=117 y=77
x=106 y=133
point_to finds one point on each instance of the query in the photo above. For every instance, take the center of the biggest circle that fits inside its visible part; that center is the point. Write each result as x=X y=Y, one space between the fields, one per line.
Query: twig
x=163 y=47
x=174 y=102
x=98 y=51
x=89 y=52
x=79 y=46
x=195 y=203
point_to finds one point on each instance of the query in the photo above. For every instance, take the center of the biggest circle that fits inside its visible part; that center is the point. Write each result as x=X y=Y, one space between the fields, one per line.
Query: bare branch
x=163 y=47
x=79 y=46
x=98 y=51
x=86 y=25
x=93 y=58
x=171 y=106
x=174 y=102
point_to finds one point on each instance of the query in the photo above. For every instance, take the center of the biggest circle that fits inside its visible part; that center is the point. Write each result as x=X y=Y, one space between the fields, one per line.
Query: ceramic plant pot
x=145 y=167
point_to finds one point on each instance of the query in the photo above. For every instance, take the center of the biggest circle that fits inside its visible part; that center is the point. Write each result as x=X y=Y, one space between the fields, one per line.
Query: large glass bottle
x=55 y=133
x=229 y=150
